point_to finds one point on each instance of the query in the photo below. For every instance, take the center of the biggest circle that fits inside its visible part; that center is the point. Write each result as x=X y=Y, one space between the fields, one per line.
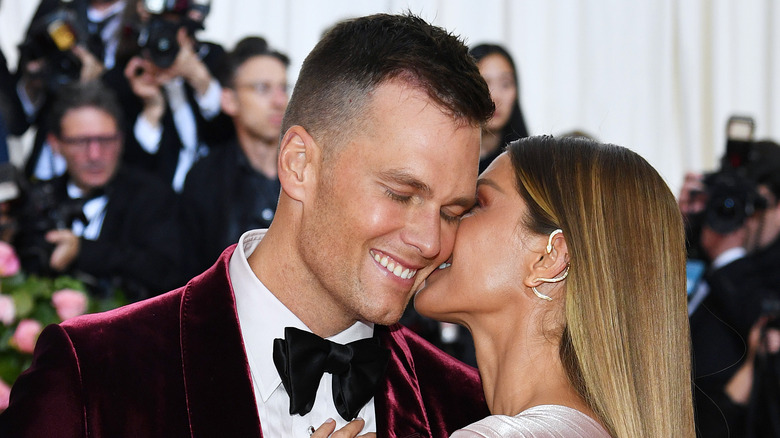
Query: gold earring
x=540 y=295
x=556 y=279
x=549 y=240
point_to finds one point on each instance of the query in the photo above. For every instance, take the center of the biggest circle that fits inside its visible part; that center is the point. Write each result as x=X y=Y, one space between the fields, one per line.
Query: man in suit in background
x=109 y=225
x=377 y=164
x=236 y=188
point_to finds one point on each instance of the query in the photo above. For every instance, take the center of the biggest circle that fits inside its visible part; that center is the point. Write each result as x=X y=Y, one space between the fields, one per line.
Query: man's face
x=388 y=203
x=258 y=98
x=91 y=144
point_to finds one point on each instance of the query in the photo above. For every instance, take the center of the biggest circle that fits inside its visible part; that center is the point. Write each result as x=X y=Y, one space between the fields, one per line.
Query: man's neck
x=276 y=263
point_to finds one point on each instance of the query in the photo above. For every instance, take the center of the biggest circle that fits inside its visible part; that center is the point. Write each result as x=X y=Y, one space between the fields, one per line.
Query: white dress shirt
x=94 y=211
x=149 y=136
x=263 y=318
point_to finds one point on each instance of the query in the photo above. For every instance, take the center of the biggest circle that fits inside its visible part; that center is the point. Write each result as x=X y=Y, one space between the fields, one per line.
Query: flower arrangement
x=27 y=305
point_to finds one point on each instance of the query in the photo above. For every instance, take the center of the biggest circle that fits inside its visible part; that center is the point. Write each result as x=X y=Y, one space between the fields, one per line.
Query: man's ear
x=551 y=266
x=299 y=162
x=229 y=101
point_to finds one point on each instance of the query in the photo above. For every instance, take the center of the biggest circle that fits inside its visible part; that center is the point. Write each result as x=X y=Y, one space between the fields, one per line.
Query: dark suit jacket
x=139 y=240
x=175 y=366
x=216 y=207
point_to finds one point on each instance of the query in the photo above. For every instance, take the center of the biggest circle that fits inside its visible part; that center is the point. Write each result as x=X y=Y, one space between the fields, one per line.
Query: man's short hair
x=245 y=49
x=92 y=94
x=357 y=55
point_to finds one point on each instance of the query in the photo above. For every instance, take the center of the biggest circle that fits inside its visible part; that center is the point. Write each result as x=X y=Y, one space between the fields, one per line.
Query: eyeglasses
x=103 y=142
x=266 y=89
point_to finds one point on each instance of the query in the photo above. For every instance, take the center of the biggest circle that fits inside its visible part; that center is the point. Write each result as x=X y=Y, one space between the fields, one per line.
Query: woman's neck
x=520 y=371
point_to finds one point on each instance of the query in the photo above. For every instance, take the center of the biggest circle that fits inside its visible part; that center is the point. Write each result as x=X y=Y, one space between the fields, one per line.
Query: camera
x=731 y=192
x=731 y=198
x=51 y=38
x=39 y=212
x=157 y=35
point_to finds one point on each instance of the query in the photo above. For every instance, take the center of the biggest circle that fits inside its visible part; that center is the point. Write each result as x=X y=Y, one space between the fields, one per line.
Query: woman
x=569 y=273
x=496 y=66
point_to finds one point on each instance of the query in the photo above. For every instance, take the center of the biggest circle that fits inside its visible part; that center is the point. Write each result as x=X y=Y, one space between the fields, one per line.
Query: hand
x=692 y=199
x=349 y=431
x=91 y=67
x=143 y=78
x=66 y=248
x=188 y=65
x=739 y=387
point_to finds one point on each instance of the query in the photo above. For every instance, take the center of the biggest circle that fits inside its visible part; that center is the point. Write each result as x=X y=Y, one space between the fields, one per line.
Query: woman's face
x=500 y=79
x=491 y=257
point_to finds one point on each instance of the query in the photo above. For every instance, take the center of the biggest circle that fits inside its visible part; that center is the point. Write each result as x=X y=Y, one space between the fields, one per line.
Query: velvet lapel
x=399 y=405
x=217 y=379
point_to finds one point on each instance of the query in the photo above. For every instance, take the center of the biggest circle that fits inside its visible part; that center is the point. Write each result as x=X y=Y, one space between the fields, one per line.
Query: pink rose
x=69 y=303
x=26 y=334
x=7 y=310
x=5 y=395
x=9 y=262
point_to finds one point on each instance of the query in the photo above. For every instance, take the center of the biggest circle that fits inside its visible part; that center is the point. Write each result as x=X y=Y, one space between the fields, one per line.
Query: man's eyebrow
x=403 y=177
x=489 y=182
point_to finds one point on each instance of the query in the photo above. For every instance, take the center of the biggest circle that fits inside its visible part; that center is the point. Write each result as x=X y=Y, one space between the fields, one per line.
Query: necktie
x=357 y=368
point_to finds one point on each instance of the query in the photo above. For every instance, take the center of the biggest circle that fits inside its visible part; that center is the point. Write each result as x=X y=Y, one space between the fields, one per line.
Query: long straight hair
x=626 y=344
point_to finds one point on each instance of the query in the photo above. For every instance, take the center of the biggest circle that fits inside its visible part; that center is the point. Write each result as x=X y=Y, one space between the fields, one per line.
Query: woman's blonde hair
x=626 y=344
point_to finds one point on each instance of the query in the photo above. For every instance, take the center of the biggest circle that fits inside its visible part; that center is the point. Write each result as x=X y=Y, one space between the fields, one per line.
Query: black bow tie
x=357 y=368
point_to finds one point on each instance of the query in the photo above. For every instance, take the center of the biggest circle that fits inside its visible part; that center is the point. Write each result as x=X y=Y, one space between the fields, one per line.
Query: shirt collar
x=728 y=256
x=263 y=318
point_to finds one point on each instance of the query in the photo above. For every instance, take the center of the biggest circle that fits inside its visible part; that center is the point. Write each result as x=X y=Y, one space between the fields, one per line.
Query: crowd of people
x=137 y=149
x=563 y=293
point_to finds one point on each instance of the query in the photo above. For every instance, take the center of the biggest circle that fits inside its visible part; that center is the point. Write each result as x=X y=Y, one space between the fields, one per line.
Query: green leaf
x=24 y=303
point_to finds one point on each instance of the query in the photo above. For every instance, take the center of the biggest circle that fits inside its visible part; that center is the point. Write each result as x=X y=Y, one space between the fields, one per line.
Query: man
x=173 y=96
x=236 y=188
x=109 y=225
x=741 y=284
x=50 y=58
x=377 y=164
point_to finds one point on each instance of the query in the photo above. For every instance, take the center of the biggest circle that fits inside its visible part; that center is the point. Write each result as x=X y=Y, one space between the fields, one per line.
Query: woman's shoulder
x=544 y=421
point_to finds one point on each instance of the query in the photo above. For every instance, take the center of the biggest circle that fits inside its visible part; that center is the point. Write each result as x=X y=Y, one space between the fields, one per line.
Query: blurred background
x=661 y=77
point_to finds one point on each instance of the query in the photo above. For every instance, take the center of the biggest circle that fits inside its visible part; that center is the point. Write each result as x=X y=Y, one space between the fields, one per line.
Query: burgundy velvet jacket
x=175 y=366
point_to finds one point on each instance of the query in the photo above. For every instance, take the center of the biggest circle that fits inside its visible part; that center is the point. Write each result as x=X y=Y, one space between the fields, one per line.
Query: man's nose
x=423 y=231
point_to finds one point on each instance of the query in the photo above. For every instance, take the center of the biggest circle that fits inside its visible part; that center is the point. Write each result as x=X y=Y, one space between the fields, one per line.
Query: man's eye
x=450 y=218
x=404 y=199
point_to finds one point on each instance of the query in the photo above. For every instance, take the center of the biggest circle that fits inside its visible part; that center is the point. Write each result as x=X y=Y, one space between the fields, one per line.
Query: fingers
x=91 y=67
x=772 y=340
x=325 y=430
x=351 y=430
x=66 y=248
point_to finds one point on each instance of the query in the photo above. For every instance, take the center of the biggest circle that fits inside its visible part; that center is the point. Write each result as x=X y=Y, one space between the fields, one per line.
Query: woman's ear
x=299 y=162
x=553 y=265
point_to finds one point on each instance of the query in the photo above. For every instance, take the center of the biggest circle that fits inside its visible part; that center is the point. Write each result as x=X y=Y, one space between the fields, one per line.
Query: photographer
x=67 y=41
x=739 y=235
x=109 y=225
x=166 y=78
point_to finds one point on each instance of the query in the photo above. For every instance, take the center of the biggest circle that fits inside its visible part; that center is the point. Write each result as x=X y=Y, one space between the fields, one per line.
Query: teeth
x=394 y=267
x=445 y=265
